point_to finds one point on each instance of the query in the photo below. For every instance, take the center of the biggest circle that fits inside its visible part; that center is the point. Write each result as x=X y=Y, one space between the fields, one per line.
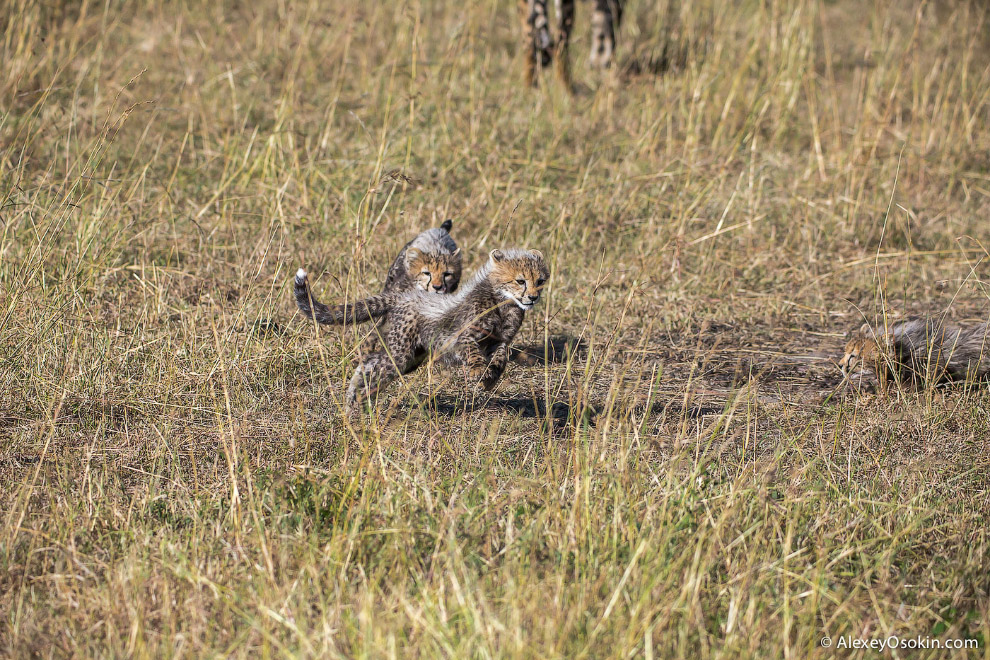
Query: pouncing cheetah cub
x=430 y=262
x=472 y=327
x=916 y=351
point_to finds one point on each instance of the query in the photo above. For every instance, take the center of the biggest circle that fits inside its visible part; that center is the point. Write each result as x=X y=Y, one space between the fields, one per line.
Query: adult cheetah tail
x=446 y=225
x=361 y=311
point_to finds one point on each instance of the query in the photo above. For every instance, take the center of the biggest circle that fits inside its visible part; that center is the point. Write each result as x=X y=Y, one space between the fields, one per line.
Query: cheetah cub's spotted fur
x=916 y=351
x=473 y=327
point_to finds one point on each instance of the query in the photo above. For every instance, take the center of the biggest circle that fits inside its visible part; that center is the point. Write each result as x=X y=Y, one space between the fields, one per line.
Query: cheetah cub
x=916 y=351
x=472 y=327
x=430 y=262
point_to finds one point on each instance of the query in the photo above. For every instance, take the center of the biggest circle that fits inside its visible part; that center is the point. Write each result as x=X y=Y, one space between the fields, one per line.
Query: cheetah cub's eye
x=521 y=282
x=540 y=282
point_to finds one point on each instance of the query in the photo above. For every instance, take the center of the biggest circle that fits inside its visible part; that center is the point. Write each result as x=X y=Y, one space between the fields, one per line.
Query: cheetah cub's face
x=519 y=275
x=861 y=351
x=434 y=273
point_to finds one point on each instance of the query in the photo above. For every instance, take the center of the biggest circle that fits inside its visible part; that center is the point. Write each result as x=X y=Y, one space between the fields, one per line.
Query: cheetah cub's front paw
x=490 y=379
x=485 y=378
x=862 y=383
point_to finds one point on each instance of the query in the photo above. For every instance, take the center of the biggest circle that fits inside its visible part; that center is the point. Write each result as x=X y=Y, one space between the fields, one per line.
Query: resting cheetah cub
x=916 y=351
x=473 y=327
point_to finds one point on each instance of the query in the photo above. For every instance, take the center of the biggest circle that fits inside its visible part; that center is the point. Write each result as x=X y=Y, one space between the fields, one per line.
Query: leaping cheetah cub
x=916 y=351
x=473 y=327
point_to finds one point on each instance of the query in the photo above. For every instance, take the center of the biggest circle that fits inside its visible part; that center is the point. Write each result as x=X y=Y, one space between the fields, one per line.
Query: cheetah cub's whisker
x=473 y=327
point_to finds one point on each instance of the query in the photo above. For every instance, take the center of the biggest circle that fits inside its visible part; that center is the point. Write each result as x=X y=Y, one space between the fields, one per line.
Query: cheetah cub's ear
x=496 y=255
x=537 y=254
x=864 y=329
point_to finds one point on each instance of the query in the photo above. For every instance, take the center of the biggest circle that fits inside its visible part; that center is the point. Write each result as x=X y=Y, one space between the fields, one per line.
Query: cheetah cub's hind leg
x=377 y=370
x=372 y=342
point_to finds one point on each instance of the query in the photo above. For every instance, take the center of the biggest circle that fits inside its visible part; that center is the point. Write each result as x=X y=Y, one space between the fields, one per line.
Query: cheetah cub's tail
x=361 y=311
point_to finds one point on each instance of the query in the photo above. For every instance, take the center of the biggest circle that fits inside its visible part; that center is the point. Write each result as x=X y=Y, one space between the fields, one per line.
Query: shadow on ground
x=555 y=351
x=559 y=414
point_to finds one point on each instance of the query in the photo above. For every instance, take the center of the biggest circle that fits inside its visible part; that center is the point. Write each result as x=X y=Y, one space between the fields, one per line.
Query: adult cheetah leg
x=536 y=30
x=604 y=22
x=565 y=23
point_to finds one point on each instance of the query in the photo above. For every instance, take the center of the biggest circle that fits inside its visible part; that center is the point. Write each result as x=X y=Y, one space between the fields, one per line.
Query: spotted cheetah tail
x=359 y=312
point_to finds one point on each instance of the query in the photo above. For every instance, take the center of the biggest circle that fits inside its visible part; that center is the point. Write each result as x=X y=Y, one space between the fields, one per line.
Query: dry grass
x=675 y=478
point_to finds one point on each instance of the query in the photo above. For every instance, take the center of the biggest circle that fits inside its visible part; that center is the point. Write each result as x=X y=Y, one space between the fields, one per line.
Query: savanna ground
x=670 y=471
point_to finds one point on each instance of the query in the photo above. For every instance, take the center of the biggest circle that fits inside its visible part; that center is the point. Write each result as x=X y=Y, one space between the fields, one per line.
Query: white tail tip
x=301 y=275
